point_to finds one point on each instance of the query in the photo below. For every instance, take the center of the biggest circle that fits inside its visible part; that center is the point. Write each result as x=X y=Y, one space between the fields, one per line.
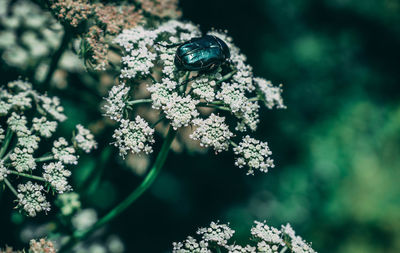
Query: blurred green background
x=336 y=146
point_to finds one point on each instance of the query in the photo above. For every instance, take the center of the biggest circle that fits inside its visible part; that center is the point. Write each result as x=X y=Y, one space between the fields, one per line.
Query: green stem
x=254 y=99
x=223 y=108
x=139 y=101
x=233 y=144
x=56 y=58
x=284 y=249
x=227 y=76
x=6 y=142
x=27 y=175
x=146 y=183
x=45 y=158
x=11 y=187
x=158 y=121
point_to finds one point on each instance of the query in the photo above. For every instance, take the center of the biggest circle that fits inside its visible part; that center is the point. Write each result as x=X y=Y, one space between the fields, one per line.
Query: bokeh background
x=336 y=146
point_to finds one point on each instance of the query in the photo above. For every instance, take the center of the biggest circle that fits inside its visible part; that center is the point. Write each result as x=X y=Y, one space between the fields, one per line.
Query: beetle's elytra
x=202 y=54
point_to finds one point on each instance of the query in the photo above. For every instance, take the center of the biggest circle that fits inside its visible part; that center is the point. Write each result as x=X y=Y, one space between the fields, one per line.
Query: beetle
x=201 y=54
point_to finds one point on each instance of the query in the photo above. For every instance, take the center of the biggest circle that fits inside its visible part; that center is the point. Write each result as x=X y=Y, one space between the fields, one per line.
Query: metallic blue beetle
x=202 y=54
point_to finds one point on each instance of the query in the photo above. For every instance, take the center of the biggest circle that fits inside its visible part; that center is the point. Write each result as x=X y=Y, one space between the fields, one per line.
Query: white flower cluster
x=3 y=171
x=31 y=198
x=22 y=159
x=2 y=136
x=254 y=154
x=63 y=152
x=297 y=243
x=180 y=110
x=56 y=175
x=134 y=136
x=272 y=96
x=84 y=139
x=44 y=127
x=180 y=95
x=216 y=233
x=116 y=103
x=216 y=238
x=27 y=114
x=212 y=132
x=139 y=58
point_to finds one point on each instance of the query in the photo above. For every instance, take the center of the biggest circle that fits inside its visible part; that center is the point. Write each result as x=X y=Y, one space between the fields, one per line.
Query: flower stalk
x=12 y=189
x=56 y=57
x=27 y=175
x=146 y=183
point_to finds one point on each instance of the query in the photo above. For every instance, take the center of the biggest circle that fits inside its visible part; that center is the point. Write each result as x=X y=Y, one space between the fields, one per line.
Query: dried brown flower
x=40 y=246
x=161 y=8
x=73 y=12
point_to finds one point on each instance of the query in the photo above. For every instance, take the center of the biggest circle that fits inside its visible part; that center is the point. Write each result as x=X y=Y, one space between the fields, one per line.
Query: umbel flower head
x=265 y=239
x=28 y=117
x=205 y=101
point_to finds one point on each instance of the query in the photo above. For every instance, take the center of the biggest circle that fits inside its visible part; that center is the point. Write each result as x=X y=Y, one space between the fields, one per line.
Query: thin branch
x=146 y=183
x=27 y=175
x=139 y=101
x=11 y=187
x=56 y=58
x=44 y=158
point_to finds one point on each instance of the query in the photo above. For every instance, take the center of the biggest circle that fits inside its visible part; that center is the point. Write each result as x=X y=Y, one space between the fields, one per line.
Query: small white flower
x=272 y=95
x=56 y=175
x=248 y=116
x=266 y=233
x=4 y=107
x=254 y=154
x=212 y=132
x=21 y=100
x=3 y=171
x=180 y=110
x=63 y=152
x=204 y=87
x=22 y=159
x=264 y=247
x=298 y=245
x=85 y=139
x=134 y=136
x=116 y=101
x=31 y=198
x=17 y=123
x=191 y=245
x=139 y=58
x=52 y=106
x=240 y=249
x=217 y=233
x=160 y=94
x=28 y=140
x=2 y=136
x=20 y=85
x=44 y=127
